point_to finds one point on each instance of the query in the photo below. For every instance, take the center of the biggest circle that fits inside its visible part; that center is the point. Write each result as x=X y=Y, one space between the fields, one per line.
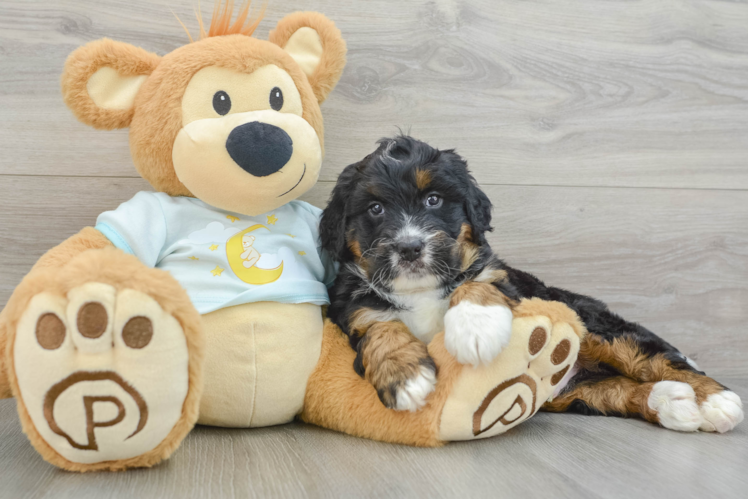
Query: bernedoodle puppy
x=407 y=224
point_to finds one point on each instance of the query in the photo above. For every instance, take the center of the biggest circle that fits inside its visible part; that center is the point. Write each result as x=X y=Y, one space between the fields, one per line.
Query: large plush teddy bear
x=202 y=302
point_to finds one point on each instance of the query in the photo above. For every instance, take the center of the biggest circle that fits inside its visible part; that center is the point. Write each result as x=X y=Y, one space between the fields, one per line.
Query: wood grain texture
x=608 y=93
x=612 y=137
x=549 y=456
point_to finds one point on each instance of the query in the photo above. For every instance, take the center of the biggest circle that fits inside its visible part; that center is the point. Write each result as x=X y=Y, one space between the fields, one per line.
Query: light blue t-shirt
x=222 y=258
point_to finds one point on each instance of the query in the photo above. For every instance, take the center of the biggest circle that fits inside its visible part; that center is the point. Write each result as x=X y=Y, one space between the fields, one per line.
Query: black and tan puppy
x=408 y=223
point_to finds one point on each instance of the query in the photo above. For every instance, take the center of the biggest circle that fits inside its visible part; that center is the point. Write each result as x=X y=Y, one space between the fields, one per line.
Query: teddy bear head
x=229 y=119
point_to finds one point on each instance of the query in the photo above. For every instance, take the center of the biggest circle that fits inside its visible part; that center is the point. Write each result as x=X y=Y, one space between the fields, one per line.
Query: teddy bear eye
x=221 y=102
x=276 y=99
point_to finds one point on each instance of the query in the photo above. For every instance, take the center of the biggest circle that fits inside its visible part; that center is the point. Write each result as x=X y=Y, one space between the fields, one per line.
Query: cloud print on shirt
x=213 y=232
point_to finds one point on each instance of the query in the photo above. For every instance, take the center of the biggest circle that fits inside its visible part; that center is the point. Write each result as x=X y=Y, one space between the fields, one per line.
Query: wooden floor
x=549 y=456
x=611 y=135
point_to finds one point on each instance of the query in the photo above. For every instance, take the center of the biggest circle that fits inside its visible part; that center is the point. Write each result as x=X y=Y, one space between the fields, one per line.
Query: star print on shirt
x=217 y=271
x=213 y=247
x=302 y=252
x=272 y=219
x=192 y=257
x=232 y=218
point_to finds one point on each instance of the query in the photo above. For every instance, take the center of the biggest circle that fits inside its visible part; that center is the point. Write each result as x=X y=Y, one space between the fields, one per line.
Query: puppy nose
x=259 y=148
x=410 y=250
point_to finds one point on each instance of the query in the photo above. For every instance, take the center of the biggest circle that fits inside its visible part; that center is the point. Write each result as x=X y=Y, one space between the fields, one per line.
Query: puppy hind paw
x=675 y=406
x=721 y=412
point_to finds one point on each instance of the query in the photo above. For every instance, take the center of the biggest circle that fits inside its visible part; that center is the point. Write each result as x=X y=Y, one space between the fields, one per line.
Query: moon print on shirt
x=243 y=260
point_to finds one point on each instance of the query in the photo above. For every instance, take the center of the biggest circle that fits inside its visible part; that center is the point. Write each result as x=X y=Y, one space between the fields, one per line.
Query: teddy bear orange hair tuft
x=220 y=22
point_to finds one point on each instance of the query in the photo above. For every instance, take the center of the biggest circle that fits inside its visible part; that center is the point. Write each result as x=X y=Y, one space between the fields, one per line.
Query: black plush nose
x=410 y=250
x=259 y=148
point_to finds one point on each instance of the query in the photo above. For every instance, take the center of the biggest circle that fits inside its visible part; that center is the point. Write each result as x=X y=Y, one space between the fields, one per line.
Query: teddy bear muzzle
x=250 y=162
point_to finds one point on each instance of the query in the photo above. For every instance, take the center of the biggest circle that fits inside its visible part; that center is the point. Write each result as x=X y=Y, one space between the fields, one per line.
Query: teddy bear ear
x=316 y=45
x=101 y=79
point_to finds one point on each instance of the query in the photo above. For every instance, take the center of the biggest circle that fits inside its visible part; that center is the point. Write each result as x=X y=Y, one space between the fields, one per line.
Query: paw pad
x=538 y=338
x=102 y=373
x=556 y=378
x=561 y=352
x=92 y=320
x=137 y=332
x=50 y=331
x=491 y=399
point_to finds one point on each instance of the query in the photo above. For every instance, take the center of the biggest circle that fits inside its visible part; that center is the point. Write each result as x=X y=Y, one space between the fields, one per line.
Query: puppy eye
x=376 y=209
x=433 y=200
x=221 y=102
x=276 y=99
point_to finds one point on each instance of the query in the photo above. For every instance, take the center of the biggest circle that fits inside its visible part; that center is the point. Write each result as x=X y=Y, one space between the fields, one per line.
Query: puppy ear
x=332 y=225
x=101 y=79
x=316 y=45
x=478 y=208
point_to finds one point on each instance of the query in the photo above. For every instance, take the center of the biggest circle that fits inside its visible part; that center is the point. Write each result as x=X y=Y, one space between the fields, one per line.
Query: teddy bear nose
x=259 y=148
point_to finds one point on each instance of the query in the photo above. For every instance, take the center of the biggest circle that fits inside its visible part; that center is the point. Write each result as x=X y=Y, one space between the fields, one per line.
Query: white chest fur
x=423 y=312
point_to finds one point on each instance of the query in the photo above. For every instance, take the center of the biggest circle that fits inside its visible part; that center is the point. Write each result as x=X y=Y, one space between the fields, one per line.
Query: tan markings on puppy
x=491 y=276
x=468 y=249
x=391 y=355
x=355 y=248
x=615 y=395
x=362 y=319
x=469 y=255
x=482 y=294
x=423 y=178
x=466 y=234
x=624 y=355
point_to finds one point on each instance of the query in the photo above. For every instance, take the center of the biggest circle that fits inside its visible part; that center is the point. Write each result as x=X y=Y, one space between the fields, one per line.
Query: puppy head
x=229 y=119
x=409 y=215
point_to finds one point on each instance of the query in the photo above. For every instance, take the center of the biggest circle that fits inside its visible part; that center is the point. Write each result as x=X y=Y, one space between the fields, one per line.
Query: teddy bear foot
x=490 y=399
x=104 y=376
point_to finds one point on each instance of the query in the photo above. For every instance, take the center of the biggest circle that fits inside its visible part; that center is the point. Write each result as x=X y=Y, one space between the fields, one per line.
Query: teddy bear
x=203 y=301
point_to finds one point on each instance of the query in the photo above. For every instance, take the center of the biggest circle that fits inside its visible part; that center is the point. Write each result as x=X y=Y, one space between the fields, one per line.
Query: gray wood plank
x=674 y=260
x=611 y=93
x=549 y=456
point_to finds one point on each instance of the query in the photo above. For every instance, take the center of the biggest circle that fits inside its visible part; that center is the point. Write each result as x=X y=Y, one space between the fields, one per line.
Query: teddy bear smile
x=297 y=183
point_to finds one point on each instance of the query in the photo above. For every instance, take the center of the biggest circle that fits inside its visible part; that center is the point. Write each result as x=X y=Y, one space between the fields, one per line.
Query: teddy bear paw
x=492 y=398
x=102 y=373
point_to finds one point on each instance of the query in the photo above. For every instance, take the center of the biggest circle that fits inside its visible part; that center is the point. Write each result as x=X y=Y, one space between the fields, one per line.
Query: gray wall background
x=612 y=136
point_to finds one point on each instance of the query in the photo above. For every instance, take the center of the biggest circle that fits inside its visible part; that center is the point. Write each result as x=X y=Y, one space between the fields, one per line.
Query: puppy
x=407 y=224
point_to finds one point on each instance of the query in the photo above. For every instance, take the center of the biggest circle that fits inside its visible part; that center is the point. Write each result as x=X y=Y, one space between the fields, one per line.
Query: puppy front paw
x=403 y=386
x=411 y=396
x=398 y=365
x=476 y=334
